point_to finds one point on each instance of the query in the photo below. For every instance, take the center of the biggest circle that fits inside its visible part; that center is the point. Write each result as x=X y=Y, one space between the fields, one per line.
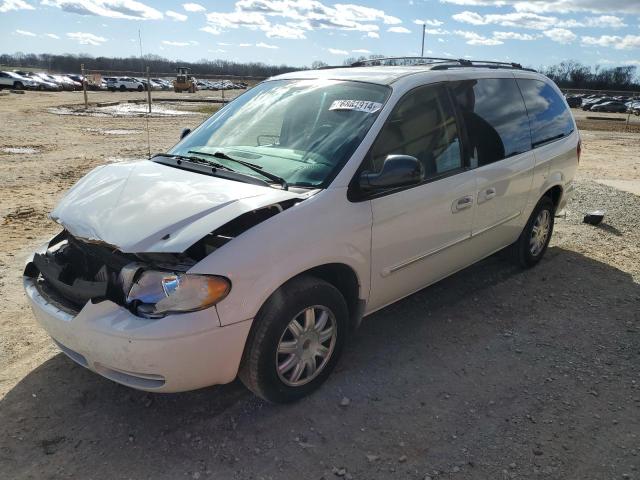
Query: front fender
x=323 y=229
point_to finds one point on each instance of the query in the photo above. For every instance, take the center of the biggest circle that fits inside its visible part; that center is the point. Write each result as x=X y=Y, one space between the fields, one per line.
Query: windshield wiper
x=192 y=158
x=250 y=166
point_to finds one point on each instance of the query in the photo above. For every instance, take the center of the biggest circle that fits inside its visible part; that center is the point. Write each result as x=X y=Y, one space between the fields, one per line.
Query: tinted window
x=495 y=118
x=422 y=125
x=550 y=119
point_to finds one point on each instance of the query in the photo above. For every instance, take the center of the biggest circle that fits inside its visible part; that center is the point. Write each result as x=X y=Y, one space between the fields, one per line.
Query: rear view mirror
x=185 y=132
x=397 y=171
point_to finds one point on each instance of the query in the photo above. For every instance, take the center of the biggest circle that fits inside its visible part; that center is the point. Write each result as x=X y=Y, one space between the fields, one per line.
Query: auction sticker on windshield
x=357 y=105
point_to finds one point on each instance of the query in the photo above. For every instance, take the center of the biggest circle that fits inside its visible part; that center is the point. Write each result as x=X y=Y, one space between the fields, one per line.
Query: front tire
x=18 y=86
x=530 y=247
x=295 y=341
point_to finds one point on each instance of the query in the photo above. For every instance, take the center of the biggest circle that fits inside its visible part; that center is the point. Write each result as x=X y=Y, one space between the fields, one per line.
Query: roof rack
x=438 y=63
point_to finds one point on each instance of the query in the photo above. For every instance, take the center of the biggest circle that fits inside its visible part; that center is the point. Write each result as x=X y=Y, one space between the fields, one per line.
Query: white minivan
x=256 y=245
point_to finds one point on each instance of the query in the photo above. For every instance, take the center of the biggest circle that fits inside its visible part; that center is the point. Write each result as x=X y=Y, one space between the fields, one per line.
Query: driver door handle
x=462 y=204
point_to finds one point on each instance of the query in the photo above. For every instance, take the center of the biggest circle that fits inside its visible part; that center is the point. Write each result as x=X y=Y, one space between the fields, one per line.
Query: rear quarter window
x=549 y=116
x=495 y=118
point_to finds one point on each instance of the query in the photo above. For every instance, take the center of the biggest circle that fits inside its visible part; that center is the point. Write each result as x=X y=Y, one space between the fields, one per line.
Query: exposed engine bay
x=73 y=271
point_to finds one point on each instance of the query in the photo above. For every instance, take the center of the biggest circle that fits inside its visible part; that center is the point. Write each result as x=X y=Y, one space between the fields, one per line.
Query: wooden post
x=84 y=87
x=223 y=89
x=148 y=90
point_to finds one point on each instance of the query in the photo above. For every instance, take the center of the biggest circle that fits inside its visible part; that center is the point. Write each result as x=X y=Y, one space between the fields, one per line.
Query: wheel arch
x=555 y=194
x=346 y=281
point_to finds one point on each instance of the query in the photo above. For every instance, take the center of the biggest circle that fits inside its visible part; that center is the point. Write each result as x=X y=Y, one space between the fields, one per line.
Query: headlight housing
x=156 y=293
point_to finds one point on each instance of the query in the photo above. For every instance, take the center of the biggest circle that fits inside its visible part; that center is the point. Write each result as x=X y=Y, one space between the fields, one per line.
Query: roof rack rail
x=438 y=63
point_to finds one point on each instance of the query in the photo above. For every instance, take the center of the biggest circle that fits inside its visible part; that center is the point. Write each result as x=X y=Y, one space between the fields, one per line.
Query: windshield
x=300 y=130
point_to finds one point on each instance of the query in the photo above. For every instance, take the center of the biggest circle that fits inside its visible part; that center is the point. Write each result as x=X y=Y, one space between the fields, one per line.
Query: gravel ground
x=493 y=373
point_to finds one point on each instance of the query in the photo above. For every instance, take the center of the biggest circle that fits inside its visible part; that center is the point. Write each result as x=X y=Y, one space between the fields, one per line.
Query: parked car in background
x=154 y=85
x=256 y=245
x=40 y=83
x=15 y=81
x=611 y=106
x=67 y=83
x=574 y=101
x=124 y=84
x=163 y=84
x=49 y=78
x=588 y=104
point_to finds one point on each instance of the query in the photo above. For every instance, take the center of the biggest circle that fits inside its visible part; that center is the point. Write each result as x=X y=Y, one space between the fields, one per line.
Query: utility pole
x=424 y=26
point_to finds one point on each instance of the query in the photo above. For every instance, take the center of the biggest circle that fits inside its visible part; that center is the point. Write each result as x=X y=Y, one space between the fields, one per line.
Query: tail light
x=579 y=150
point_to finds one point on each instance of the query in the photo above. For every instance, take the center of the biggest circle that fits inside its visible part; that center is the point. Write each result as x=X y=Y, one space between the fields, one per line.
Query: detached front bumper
x=171 y=354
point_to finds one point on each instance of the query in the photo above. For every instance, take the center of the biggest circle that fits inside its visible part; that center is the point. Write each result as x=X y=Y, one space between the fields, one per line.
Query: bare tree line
x=69 y=63
x=567 y=74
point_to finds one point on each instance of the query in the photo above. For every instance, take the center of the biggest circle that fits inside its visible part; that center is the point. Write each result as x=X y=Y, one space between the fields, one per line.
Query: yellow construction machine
x=184 y=81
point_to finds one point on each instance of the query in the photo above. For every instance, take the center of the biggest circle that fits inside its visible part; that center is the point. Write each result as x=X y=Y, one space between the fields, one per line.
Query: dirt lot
x=493 y=373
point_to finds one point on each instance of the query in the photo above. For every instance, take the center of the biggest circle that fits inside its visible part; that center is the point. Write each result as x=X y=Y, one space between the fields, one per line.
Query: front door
x=419 y=233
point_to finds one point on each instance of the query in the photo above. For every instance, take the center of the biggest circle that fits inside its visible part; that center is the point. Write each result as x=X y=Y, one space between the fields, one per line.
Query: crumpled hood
x=148 y=207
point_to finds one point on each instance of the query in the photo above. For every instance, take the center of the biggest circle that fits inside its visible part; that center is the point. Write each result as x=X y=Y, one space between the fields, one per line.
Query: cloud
x=211 y=30
x=123 y=9
x=514 y=36
x=284 y=31
x=86 y=38
x=514 y=19
x=535 y=21
x=244 y=45
x=8 y=5
x=605 y=21
x=178 y=17
x=436 y=31
x=557 y=6
x=474 y=38
x=52 y=35
x=337 y=51
x=619 y=43
x=361 y=50
x=291 y=19
x=399 y=30
x=266 y=45
x=25 y=33
x=431 y=23
x=560 y=35
x=180 y=44
x=193 y=7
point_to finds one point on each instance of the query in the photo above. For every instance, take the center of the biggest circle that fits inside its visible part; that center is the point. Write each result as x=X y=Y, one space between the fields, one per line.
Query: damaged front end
x=71 y=272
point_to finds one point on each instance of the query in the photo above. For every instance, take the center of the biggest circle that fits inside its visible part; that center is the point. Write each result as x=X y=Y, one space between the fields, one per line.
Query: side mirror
x=397 y=171
x=185 y=132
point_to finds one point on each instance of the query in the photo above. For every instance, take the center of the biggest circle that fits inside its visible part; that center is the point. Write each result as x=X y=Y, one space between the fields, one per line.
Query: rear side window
x=549 y=117
x=495 y=118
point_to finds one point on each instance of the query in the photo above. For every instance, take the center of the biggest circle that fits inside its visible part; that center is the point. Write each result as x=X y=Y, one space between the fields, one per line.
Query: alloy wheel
x=306 y=345
x=540 y=232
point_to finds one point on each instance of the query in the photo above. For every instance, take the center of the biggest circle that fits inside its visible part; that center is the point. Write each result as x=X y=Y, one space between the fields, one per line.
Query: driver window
x=422 y=125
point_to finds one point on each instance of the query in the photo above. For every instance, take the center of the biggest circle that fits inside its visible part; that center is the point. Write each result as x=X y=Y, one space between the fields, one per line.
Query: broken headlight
x=155 y=293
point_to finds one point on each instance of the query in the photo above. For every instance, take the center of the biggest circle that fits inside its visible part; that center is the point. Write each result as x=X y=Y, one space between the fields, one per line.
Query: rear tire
x=295 y=341
x=140 y=88
x=123 y=88
x=18 y=86
x=530 y=247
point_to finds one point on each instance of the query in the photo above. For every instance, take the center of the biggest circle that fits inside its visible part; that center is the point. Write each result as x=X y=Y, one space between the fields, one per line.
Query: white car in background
x=124 y=84
x=15 y=81
x=39 y=82
x=256 y=245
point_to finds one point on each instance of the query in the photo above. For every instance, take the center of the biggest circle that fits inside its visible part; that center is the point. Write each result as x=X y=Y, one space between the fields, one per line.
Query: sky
x=535 y=33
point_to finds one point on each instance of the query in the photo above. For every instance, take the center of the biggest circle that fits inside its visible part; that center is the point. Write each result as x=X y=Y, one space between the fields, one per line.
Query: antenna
x=149 y=91
x=424 y=27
